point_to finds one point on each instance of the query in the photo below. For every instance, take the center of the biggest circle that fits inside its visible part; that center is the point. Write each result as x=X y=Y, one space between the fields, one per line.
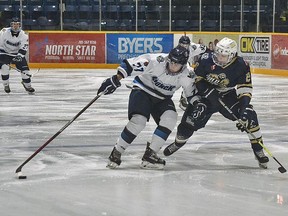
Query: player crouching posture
x=13 y=47
x=222 y=75
x=151 y=94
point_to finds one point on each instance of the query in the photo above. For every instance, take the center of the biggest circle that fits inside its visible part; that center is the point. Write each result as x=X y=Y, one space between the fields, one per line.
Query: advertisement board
x=123 y=46
x=279 y=52
x=256 y=49
x=58 y=49
x=66 y=47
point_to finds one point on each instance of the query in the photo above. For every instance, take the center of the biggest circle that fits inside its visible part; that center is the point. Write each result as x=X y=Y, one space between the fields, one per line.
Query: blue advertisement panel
x=123 y=46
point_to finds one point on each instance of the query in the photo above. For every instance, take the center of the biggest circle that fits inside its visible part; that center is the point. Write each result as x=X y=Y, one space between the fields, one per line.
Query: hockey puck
x=20 y=176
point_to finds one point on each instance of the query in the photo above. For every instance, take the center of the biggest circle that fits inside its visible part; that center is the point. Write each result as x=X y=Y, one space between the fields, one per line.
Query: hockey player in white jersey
x=194 y=50
x=13 y=47
x=151 y=94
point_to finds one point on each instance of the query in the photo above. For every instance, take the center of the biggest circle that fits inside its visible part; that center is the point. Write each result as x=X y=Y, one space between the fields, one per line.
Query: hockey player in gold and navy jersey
x=223 y=75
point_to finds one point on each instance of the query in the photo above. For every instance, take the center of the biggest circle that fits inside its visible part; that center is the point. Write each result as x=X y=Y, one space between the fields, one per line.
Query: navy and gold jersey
x=236 y=74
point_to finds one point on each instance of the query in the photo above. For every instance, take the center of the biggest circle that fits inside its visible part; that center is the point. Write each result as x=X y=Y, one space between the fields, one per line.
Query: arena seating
x=185 y=14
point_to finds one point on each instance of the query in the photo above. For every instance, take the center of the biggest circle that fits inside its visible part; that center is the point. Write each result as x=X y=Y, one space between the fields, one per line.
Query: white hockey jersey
x=12 y=44
x=154 y=78
x=195 y=50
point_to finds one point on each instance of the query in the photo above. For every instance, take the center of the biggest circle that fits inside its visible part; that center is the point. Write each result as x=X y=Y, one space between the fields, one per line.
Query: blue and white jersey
x=154 y=78
x=12 y=44
x=195 y=50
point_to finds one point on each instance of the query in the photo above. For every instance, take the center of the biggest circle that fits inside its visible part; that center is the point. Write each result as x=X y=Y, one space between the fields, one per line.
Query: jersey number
x=138 y=67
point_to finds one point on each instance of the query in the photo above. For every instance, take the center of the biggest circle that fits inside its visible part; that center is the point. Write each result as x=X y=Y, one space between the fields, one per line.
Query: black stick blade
x=282 y=169
x=21 y=176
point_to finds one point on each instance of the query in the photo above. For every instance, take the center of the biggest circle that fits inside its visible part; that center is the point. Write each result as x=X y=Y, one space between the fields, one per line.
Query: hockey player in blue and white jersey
x=223 y=82
x=13 y=47
x=151 y=94
x=194 y=50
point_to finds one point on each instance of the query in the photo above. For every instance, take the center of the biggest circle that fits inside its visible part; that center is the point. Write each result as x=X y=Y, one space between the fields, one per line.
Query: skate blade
x=112 y=165
x=147 y=165
x=263 y=165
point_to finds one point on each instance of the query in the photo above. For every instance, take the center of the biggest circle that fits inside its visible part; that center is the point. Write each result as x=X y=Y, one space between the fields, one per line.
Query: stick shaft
x=56 y=134
x=14 y=68
x=246 y=129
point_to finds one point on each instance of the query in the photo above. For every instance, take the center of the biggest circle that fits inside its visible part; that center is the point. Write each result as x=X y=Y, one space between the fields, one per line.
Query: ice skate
x=150 y=160
x=114 y=159
x=7 y=88
x=172 y=148
x=29 y=89
x=261 y=158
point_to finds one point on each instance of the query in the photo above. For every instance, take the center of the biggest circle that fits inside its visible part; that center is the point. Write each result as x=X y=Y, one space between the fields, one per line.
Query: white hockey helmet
x=224 y=52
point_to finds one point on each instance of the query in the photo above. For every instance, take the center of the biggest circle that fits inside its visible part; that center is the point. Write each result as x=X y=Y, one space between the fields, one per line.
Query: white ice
x=214 y=174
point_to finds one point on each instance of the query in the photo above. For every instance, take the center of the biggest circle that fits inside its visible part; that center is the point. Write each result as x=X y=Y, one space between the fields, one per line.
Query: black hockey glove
x=199 y=109
x=17 y=59
x=109 y=85
x=212 y=95
x=206 y=90
x=244 y=119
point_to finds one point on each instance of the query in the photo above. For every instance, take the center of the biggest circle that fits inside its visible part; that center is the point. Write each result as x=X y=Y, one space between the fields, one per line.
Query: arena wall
x=266 y=52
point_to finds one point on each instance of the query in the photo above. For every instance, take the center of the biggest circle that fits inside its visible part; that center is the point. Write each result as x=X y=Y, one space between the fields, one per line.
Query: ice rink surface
x=215 y=173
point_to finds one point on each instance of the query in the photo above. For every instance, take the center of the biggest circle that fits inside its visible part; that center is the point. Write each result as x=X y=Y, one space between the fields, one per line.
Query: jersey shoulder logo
x=205 y=56
x=160 y=58
x=194 y=47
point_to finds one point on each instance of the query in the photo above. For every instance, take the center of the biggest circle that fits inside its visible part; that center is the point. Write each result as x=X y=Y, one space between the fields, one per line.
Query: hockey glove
x=206 y=90
x=199 y=109
x=212 y=79
x=212 y=95
x=109 y=85
x=244 y=119
x=17 y=59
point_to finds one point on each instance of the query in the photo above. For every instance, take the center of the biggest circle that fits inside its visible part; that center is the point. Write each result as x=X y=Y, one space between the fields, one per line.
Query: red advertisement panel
x=66 y=47
x=279 y=51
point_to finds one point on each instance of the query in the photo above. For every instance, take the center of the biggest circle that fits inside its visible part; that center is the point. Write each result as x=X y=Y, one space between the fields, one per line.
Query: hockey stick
x=13 y=55
x=281 y=168
x=18 y=170
x=29 y=75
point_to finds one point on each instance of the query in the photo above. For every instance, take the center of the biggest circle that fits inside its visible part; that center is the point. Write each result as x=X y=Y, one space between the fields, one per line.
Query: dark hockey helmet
x=178 y=55
x=184 y=40
x=15 y=25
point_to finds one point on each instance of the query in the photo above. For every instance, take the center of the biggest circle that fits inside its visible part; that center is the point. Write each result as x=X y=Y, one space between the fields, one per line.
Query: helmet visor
x=174 y=67
x=221 y=59
x=186 y=46
x=15 y=26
